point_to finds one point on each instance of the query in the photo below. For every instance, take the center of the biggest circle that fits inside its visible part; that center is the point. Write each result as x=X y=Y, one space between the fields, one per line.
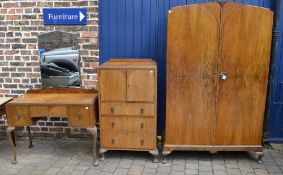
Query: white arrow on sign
x=82 y=16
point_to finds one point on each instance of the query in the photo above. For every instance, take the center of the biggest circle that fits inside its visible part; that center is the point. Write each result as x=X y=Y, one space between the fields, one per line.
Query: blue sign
x=65 y=16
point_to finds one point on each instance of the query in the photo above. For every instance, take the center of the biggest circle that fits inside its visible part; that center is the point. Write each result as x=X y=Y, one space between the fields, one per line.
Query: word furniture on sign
x=65 y=16
x=78 y=105
x=217 y=72
x=127 y=103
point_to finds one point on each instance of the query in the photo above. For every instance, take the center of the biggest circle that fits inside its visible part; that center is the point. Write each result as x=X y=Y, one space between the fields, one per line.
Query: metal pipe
x=274 y=49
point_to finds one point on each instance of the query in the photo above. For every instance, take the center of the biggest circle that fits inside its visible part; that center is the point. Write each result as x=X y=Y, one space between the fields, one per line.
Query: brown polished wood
x=241 y=99
x=192 y=50
x=79 y=106
x=207 y=43
x=128 y=105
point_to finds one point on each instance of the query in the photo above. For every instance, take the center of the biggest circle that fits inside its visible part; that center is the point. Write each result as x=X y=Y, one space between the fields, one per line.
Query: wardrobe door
x=244 y=65
x=192 y=51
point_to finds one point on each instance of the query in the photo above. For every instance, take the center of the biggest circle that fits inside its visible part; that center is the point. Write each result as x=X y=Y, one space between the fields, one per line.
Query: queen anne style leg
x=260 y=156
x=30 y=138
x=93 y=131
x=101 y=152
x=11 y=138
x=164 y=154
x=155 y=155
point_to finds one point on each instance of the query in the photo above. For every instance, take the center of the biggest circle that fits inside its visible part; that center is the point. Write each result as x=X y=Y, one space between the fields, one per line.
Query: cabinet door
x=192 y=51
x=112 y=85
x=141 y=85
x=244 y=58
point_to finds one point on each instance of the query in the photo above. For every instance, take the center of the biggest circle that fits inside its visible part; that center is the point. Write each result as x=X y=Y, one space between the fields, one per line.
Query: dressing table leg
x=11 y=138
x=93 y=131
x=30 y=138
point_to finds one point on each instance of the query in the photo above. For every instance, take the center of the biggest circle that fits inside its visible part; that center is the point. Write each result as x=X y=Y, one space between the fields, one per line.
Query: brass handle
x=223 y=76
x=112 y=109
x=113 y=141
x=142 y=125
x=142 y=141
x=112 y=124
x=79 y=116
x=142 y=110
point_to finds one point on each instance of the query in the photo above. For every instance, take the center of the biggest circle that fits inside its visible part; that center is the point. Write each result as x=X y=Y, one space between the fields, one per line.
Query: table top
x=53 y=97
x=4 y=100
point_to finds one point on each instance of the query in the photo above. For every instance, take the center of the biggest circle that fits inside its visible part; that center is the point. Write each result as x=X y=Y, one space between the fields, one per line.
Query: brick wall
x=21 y=22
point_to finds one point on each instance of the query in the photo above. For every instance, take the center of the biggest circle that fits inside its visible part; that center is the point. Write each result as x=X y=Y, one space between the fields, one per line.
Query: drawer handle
x=142 y=110
x=112 y=124
x=18 y=117
x=142 y=141
x=79 y=116
x=142 y=125
x=112 y=109
x=113 y=141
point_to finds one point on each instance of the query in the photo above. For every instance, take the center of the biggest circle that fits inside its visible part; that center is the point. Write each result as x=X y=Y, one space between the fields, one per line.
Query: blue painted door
x=137 y=29
x=276 y=115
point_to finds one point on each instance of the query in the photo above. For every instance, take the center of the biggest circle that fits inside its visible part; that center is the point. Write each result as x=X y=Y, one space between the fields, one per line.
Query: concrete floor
x=73 y=156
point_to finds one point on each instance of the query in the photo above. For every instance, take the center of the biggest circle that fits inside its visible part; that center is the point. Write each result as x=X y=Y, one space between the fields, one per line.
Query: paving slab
x=74 y=157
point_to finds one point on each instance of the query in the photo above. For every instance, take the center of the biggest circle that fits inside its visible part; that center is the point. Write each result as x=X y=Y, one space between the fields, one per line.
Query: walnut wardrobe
x=217 y=73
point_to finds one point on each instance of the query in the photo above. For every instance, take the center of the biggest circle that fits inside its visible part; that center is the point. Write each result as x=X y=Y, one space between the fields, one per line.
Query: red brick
x=44 y=4
x=9 y=52
x=62 y=4
x=86 y=64
x=92 y=9
x=28 y=4
x=92 y=22
x=3 y=11
x=8 y=80
x=10 y=4
x=11 y=11
x=94 y=65
x=13 y=17
x=91 y=34
x=4 y=91
x=17 y=80
x=33 y=75
x=19 y=10
x=80 y=3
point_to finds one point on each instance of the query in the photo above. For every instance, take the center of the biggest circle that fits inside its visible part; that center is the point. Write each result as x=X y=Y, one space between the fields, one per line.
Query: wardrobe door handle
x=112 y=109
x=142 y=141
x=142 y=125
x=142 y=110
x=223 y=76
x=112 y=124
x=113 y=141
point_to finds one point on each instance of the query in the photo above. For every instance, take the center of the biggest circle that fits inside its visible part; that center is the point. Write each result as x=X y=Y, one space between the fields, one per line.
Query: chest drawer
x=144 y=109
x=146 y=124
x=18 y=115
x=81 y=116
x=128 y=140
